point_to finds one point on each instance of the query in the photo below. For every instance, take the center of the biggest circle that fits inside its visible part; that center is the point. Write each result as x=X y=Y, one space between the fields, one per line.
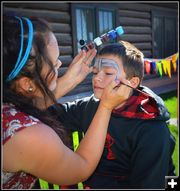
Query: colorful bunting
x=161 y=66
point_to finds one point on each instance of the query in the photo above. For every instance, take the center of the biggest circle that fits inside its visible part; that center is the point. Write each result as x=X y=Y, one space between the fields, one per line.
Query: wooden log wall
x=134 y=17
x=136 y=22
x=57 y=14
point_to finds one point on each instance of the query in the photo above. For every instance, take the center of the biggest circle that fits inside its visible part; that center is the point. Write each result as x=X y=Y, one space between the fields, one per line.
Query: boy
x=139 y=146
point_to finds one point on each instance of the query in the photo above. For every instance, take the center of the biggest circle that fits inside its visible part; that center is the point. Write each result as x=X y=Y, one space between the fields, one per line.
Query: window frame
x=96 y=7
x=74 y=32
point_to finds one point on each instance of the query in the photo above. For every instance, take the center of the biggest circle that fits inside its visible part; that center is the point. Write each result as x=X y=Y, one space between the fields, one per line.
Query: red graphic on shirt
x=108 y=144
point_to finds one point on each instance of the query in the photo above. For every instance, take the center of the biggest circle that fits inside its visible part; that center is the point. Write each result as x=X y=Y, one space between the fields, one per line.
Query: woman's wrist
x=64 y=85
x=71 y=79
x=105 y=107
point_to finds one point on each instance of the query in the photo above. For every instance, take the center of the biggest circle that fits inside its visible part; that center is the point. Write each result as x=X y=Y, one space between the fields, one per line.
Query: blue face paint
x=103 y=62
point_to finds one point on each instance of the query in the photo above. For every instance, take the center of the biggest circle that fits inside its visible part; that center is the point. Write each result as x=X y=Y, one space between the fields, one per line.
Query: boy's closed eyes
x=109 y=71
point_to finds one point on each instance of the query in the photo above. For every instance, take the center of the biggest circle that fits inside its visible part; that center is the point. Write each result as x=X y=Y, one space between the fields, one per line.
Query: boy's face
x=106 y=69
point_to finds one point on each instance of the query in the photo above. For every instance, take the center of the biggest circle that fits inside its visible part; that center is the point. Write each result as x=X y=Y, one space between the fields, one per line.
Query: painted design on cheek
x=102 y=62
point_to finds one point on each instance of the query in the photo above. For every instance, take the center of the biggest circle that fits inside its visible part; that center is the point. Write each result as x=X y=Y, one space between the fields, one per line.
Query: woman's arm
x=39 y=151
x=76 y=73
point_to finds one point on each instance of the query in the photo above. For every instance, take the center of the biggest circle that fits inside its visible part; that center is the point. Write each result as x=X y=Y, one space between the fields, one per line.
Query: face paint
x=102 y=62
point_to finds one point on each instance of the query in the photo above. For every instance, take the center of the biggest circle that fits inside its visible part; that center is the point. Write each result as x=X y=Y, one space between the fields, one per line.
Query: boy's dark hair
x=132 y=58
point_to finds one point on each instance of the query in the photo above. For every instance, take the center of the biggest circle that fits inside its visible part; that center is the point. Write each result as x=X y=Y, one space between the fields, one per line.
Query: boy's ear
x=134 y=82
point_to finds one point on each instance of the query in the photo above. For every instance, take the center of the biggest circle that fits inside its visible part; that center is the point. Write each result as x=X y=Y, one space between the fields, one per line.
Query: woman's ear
x=134 y=82
x=24 y=85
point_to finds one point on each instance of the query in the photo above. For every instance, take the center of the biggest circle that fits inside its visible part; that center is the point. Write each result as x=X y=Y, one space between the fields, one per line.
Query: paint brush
x=136 y=89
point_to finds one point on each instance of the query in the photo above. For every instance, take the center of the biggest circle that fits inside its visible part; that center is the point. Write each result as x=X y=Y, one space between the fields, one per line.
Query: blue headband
x=21 y=62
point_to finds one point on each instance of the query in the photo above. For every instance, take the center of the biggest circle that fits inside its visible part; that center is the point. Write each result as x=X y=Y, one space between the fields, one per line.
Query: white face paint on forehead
x=102 y=62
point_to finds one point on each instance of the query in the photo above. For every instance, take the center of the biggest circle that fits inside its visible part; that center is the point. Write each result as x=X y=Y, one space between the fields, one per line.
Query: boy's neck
x=122 y=104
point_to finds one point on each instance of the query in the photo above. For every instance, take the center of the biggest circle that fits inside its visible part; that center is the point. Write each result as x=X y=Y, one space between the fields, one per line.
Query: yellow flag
x=168 y=67
x=164 y=66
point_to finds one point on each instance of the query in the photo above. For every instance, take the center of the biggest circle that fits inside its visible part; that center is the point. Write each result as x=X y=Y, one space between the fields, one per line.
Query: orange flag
x=174 y=58
x=147 y=66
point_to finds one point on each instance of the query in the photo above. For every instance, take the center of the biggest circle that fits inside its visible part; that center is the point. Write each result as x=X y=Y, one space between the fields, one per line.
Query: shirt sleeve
x=71 y=115
x=151 y=156
x=14 y=121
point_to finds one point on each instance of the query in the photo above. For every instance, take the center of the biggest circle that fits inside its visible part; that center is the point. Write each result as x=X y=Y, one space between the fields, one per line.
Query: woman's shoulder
x=14 y=120
x=30 y=146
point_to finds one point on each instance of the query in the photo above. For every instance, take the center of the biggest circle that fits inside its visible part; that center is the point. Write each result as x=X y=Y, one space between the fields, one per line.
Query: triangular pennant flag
x=168 y=67
x=164 y=66
x=159 y=67
x=147 y=66
x=174 y=58
x=153 y=64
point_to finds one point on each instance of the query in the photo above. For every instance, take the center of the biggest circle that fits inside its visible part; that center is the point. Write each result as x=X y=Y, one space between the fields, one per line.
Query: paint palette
x=105 y=38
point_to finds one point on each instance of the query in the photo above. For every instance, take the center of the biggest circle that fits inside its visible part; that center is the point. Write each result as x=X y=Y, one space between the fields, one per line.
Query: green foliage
x=174 y=131
x=171 y=102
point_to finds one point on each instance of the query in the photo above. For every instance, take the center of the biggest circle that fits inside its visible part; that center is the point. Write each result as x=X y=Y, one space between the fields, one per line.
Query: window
x=84 y=25
x=164 y=34
x=105 y=19
x=158 y=40
x=91 y=22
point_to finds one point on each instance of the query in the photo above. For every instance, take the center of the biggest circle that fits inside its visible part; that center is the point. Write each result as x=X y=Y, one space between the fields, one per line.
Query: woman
x=35 y=144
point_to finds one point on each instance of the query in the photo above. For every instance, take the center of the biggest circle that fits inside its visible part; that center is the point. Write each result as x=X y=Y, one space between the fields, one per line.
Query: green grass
x=174 y=131
x=170 y=100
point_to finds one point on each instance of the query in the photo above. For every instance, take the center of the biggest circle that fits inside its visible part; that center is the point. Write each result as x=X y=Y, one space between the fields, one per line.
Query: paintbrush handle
x=133 y=88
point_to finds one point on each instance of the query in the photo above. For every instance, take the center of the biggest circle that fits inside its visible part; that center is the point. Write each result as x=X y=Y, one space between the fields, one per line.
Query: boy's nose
x=99 y=77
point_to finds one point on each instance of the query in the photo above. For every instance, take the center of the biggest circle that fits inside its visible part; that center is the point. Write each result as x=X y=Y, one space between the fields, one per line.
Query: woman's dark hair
x=132 y=58
x=32 y=70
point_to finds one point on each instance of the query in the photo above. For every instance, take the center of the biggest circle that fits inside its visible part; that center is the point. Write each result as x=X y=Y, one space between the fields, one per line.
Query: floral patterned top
x=13 y=122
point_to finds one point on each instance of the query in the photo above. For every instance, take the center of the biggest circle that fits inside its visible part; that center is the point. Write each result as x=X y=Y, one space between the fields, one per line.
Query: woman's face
x=106 y=72
x=53 y=55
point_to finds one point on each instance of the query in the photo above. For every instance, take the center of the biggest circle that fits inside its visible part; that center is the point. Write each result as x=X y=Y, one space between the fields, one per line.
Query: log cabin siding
x=57 y=14
x=136 y=19
x=137 y=26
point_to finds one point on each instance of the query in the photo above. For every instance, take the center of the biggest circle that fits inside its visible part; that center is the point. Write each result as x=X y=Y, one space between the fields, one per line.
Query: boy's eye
x=109 y=74
x=94 y=73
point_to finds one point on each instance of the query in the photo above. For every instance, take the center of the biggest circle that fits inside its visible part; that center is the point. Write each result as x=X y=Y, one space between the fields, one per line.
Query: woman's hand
x=114 y=95
x=80 y=66
x=76 y=73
